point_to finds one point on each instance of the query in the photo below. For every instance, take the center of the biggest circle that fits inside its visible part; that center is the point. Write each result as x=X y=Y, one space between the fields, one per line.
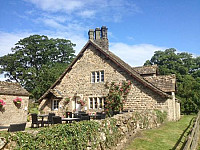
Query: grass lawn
x=169 y=136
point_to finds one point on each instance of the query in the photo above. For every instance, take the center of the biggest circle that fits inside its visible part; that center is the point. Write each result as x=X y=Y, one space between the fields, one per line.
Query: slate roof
x=12 y=88
x=166 y=83
x=118 y=62
x=146 y=70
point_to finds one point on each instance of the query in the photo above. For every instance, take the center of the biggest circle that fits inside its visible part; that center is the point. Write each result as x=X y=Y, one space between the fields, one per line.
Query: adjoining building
x=16 y=101
x=94 y=66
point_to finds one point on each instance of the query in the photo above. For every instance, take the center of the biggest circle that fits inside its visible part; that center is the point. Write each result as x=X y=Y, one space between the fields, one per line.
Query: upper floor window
x=97 y=76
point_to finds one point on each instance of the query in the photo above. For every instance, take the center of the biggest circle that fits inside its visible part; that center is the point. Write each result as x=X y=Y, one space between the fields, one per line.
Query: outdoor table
x=70 y=119
x=94 y=116
x=42 y=116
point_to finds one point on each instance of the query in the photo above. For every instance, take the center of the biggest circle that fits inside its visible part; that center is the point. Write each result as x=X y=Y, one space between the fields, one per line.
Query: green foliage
x=161 y=116
x=117 y=95
x=37 y=61
x=187 y=70
x=73 y=136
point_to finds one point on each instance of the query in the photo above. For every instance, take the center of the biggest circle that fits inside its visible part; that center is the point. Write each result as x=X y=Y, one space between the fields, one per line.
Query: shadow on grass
x=179 y=140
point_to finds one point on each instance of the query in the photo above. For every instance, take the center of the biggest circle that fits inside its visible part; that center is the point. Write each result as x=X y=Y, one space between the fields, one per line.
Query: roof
x=117 y=61
x=165 y=82
x=145 y=70
x=12 y=88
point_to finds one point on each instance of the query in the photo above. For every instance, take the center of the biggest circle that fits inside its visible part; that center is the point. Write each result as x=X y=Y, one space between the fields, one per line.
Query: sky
x=136 y=28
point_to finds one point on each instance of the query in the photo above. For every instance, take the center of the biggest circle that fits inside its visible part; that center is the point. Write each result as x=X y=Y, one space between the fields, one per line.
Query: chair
x=17 y=127
x=85 y=117
x=68 y=114
x=57 y=120
x=103 y=116
x=50 y=119
x=35 y=120
x=81 y=112
x=98 y=115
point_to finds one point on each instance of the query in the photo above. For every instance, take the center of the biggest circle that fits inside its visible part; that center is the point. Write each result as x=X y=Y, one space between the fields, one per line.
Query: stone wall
x=11 y=113
x=77 y=82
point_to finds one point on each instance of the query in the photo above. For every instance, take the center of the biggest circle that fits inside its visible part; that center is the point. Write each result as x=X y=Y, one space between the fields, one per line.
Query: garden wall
x=110 y=133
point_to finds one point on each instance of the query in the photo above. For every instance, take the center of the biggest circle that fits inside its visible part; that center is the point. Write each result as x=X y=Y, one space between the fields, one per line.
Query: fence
x=193 y=137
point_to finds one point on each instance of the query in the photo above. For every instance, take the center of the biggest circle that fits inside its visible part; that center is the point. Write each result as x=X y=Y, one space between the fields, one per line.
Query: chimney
x=100 y=37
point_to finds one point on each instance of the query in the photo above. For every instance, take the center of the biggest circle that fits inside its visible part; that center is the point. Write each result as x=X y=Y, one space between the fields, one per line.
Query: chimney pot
x=97 y=33
x=91 y=34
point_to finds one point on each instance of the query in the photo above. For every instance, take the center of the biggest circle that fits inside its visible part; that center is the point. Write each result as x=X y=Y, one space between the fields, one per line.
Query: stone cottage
x=13 y=112
x=95 y=65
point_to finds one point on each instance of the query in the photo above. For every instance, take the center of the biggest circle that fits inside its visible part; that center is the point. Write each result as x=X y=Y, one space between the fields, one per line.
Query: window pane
x=100 y=103
x=93 y=77
x=102 y=76
x=91 y=103
x=95 y=102
x=97 y=76
x=55 y=104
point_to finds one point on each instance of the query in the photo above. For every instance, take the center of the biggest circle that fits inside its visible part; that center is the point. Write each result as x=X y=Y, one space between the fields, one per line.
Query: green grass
x=169 y=136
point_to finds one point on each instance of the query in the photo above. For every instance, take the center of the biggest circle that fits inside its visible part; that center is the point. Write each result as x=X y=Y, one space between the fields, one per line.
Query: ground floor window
x=96 y=102
x=55 y=104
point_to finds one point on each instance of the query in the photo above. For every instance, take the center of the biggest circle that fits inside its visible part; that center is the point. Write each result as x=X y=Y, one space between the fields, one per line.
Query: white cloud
x=134 y=55
x=58 y=5
x=107 y=10
x=87 y=13
x=8 y=40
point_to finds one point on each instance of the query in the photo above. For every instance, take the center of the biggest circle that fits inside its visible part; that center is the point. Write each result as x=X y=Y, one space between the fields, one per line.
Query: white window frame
x=98 y=102
x=97 y=76
x=53 y=104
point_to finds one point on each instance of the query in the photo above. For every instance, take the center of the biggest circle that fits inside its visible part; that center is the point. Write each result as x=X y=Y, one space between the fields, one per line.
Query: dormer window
x=97 y=76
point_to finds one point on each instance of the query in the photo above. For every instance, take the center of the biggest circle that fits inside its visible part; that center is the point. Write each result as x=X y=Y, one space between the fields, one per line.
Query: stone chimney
x=99 y=36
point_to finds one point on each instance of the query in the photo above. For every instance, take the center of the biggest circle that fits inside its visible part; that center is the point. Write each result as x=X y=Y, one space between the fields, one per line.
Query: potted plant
x=17 y=101
x=67 y=100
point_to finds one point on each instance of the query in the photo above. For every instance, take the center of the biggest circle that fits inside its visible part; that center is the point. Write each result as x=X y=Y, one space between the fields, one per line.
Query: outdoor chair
x=85 y=117
x=103 y=116
x=17 y=127
x=50 y=119
x=76 y=115
x=81 y=112
x=57 y=120
x=68 y=114
x=35 y=120
x=98 y=117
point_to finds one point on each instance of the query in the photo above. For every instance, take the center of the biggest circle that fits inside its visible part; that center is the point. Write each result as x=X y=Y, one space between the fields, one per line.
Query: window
x=96 y=102
x=102 y=76
x=55 y=104
x=101 y=103
x=97 y=76
x=97 y=73
x=93 y=77
x=91 y=103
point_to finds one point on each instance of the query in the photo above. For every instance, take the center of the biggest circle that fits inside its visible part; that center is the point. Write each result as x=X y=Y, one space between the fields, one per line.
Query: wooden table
x=42 y=116
x=70 y=119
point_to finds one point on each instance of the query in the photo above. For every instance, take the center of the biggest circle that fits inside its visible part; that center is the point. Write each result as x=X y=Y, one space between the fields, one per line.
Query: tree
x=37 y=61
x=187 y=70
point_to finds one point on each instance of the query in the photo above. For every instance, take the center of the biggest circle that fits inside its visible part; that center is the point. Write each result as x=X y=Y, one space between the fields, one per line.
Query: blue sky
x=136 y=28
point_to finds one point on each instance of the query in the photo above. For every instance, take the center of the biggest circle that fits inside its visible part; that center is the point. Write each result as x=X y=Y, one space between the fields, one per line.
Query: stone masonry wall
x=11 y=113
x=78 y=82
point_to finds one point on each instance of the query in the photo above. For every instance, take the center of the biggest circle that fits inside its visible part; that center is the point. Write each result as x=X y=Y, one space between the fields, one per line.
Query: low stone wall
x=110 y=133
x=126 y=126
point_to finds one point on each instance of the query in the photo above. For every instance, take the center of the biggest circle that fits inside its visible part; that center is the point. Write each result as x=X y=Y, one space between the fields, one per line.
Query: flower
x=2 y=103
x=17 y=100
x=82 y=102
